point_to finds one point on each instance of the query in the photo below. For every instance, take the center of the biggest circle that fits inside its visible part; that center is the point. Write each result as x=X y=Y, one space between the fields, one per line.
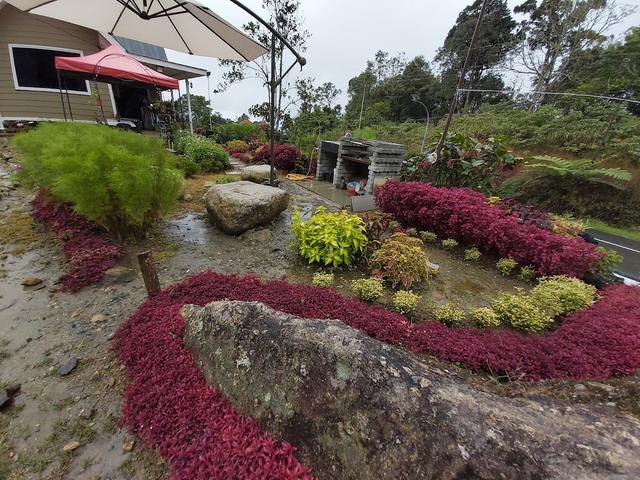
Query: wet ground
x=42 y=329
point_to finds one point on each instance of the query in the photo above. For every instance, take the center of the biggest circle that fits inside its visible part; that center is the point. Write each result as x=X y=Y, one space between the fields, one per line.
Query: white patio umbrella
x=181 y=25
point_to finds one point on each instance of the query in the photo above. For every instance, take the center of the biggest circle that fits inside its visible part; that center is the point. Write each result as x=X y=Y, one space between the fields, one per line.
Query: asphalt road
x=629 y=249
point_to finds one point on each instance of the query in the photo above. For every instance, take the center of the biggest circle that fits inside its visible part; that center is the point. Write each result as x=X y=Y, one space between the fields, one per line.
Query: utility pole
x=210 y=107
x=454 y=101
x=364 y=92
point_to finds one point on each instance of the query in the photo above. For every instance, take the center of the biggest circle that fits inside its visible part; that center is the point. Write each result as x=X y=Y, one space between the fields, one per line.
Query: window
x=34 y=69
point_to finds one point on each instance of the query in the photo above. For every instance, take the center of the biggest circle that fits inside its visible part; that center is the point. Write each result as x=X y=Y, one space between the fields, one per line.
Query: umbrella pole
x=189 y=106
x=272 y=111
x=64 y=109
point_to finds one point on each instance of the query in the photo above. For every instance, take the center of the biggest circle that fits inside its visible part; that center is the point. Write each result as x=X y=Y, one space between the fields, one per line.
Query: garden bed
x=167 y=389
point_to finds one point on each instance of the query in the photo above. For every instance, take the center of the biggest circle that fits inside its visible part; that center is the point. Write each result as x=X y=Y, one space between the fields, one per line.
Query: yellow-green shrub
x=405 y=302
x=520 y=312
x=506 y=266
x=367 y=289
x=485 y=317
x=322 y=279
x=472 y=254
x=527 y=273
x=427 y=236
x=561 y=295
x=400 y=260
x=449 y=314
x=449 y=244
x=329 y=238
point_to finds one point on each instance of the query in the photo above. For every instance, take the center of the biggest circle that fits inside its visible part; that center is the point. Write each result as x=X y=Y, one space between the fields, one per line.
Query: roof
x=155 y=56
x=141 y=48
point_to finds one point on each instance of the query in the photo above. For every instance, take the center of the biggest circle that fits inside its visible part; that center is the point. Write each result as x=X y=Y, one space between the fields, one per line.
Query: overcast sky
x=344 y=35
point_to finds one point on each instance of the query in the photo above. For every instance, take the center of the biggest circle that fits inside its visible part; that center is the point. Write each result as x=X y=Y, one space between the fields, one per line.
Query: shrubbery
x=561 y=295
x=286 y=157
x=472 y=254
x=485 y=317
x=322 y=279
x=527 y=273
x=400 y=260
x=334 y=239
x=449 y=244
x=506 y=266
x=208 y=155
x=368 y=289
x=121 y=180
x=519 y=311
x=466 y=216
x=187 y=166
x=449 y=314
x=405 y=302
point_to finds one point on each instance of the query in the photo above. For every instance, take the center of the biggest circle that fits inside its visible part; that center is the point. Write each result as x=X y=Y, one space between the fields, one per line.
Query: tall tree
x=200 y=109
x=555 y=31
x=375 y=85
x=496 y=38
x=612 y=69
x=285 y=16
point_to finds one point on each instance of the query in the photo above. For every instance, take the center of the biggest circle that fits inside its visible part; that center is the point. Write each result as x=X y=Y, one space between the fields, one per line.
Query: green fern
x=584 y=169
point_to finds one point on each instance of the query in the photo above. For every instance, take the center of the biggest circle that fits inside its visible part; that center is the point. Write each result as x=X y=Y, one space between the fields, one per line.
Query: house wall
x=17 y=27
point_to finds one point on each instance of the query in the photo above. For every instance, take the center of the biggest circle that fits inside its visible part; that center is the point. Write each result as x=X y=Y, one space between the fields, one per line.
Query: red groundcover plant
x=88 y=254
x=466 y=216
x=170 y=407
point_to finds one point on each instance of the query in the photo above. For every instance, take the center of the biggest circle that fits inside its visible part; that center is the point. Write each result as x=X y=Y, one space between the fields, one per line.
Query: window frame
x=16 y=84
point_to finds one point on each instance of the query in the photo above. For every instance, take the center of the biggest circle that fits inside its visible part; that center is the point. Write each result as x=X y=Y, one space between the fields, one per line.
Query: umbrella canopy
x=185 y=26
x=114 y=62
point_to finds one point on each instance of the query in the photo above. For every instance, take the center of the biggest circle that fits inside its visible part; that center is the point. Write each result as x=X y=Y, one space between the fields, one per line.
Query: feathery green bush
x=123 y=181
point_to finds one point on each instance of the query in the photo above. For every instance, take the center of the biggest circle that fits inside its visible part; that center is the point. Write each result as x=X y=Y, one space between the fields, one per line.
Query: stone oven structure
x=372 y=160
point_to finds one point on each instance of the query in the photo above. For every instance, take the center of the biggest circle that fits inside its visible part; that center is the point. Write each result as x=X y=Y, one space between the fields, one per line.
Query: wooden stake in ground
x=149 y=274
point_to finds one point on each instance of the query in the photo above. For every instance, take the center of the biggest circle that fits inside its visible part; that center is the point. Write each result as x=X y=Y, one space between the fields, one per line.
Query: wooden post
x=149 y=274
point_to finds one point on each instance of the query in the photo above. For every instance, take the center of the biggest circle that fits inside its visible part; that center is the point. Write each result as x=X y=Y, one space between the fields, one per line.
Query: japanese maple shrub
x=465 y=215
x=331 y=239
x=122 y=181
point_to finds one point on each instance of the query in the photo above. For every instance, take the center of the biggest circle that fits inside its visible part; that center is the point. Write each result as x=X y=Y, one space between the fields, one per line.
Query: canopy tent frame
x=95 y=77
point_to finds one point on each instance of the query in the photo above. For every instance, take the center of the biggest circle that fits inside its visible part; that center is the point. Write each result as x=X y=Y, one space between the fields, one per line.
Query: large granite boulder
x=256 y=173
x=357 y=408
x=240 y=206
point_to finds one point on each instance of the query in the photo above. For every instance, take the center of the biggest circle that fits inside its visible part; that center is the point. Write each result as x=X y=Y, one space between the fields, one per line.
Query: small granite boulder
x=240 y=206
x=256 y=173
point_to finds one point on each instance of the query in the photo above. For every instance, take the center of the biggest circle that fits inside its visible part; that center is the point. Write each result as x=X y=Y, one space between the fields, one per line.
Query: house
x=29 y=88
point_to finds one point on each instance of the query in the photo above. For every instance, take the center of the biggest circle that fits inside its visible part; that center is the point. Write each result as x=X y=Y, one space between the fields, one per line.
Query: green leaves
x=121 y=180
x=332 y=239
x=584 y=169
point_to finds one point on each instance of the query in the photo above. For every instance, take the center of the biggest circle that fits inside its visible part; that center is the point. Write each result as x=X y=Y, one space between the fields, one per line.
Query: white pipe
x=189 y=107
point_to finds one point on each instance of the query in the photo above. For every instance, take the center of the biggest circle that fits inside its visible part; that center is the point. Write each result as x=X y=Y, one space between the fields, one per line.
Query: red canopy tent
x=115 y=63
x=111 y=65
